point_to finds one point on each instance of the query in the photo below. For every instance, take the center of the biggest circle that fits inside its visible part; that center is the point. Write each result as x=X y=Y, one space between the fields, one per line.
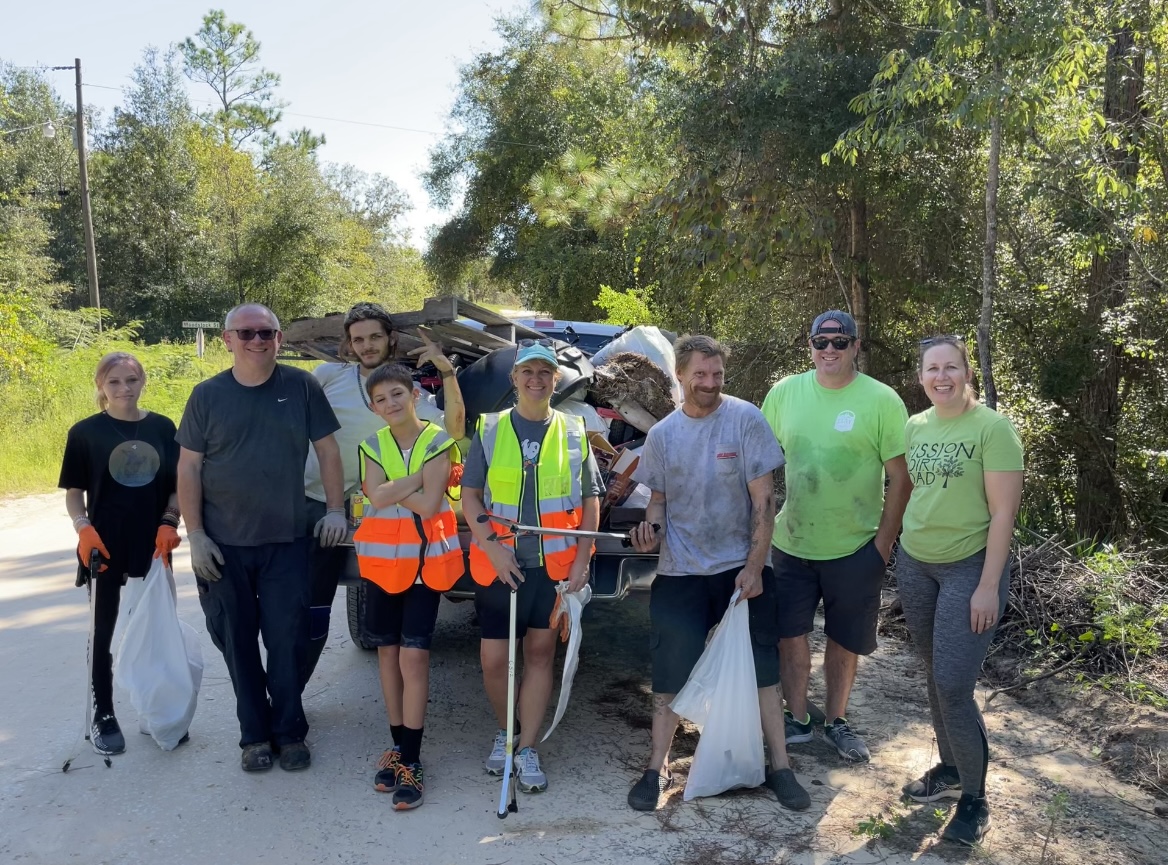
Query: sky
x=392 y=64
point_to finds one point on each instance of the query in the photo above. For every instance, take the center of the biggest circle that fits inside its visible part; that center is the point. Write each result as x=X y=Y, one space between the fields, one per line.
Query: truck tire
x=354 y=598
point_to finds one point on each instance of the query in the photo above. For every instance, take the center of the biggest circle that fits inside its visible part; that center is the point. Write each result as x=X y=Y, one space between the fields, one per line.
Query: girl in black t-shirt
x=119 y=474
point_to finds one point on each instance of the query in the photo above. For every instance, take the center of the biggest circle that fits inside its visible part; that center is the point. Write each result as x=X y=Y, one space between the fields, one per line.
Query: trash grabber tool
x=90 y=588
x=516 y=529
x=509 y=766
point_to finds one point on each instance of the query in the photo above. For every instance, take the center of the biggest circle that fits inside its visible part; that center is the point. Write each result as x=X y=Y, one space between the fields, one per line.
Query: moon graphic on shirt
x=134 y=463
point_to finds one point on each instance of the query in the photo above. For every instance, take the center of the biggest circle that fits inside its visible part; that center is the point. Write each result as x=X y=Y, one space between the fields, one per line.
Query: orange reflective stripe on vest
x=391 y=550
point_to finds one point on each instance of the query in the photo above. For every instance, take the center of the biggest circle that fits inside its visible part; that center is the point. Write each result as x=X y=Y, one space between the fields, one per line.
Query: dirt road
x=194 y=805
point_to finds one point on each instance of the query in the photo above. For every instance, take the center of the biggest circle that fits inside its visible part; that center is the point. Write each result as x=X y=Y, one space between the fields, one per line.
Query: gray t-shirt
x=530 y=435
x=703 y=466
x=254 y=441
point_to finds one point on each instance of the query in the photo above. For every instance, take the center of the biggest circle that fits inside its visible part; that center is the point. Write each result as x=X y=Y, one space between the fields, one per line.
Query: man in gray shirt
x=709 y=467
x=244 y=438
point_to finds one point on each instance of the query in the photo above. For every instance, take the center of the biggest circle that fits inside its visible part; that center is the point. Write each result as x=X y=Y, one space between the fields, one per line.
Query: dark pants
x=325 y=566
x=264 y=592
x=106 y=594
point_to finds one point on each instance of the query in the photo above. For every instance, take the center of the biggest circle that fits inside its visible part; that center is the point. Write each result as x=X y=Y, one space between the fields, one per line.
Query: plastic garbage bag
x=574 y=603
x=650 y=342
x=593 y=422
x=721 y=697
x=159 y=660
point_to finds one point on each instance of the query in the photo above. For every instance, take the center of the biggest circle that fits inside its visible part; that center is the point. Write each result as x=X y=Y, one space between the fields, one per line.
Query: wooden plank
x=331 y=327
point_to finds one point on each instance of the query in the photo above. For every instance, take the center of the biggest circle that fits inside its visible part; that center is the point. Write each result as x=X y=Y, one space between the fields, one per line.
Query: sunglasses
x=946 y=338
x=528 y=343
x=247 y=334
x=839 y=343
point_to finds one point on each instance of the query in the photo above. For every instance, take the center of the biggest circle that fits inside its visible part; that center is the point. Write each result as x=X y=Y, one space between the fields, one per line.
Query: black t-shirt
x=128 y=471
x=254 y=442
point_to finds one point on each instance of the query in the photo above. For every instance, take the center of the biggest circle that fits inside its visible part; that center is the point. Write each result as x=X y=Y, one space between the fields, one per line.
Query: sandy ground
x=194 y=805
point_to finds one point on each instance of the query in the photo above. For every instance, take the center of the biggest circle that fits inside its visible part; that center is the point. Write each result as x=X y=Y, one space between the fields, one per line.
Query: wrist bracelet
x=169 y=519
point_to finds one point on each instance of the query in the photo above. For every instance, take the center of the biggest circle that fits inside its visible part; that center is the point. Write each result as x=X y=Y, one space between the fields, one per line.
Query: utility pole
x=86 y=213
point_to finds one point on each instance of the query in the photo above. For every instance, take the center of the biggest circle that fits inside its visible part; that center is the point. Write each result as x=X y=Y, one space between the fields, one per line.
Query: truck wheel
x=354 y=599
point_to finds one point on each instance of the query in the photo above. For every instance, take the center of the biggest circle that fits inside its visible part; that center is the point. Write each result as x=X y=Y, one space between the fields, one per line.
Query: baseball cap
x=847 y=324
x=536 y=350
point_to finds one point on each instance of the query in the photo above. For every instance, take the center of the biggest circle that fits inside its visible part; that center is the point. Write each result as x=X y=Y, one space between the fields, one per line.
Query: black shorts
x=683 y=609
x=405 y=619
x=850 y=589
x=533 y=605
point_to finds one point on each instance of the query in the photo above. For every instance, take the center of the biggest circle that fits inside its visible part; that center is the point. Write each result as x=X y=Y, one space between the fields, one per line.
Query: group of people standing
x=263 y=463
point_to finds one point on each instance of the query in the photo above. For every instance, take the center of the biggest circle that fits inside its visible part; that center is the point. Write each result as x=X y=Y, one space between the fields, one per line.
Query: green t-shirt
x=947 y=518
x=836 y=442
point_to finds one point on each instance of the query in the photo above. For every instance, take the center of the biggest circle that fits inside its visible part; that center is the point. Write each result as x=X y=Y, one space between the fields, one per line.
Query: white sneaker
x=530 y=777
x=497 y=762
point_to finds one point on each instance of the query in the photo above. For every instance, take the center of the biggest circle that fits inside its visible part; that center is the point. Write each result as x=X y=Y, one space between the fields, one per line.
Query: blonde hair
x=962 y=349
x=105 y=365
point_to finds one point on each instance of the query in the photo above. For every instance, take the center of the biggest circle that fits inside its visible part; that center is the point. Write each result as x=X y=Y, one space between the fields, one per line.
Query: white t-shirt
x=344 y=386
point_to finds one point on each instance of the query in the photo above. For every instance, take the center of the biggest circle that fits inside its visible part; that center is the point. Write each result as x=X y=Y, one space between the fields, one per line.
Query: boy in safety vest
x=407 y=549
x=531 y=464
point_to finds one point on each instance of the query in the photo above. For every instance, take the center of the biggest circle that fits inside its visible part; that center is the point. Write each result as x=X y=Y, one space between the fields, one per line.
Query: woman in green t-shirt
x=965 y=461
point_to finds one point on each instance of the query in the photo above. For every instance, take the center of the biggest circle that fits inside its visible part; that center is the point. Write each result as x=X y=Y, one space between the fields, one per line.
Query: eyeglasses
x=839 y=343
x=947 y=337
x=528 y=343
x=247 y=334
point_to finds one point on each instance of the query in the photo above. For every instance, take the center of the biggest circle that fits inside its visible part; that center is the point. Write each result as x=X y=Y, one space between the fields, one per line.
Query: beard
x=373 y=362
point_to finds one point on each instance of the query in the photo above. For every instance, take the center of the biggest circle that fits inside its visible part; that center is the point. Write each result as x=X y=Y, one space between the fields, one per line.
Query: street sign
x=208 y=325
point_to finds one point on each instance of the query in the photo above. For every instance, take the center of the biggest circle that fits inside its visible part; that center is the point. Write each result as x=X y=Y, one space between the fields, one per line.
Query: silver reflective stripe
x=488 y=435
x=554 y=544
x=390 y=552
x=575 y=458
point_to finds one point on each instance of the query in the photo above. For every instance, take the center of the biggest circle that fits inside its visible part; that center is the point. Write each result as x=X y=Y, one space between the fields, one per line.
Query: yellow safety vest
x=394 y=545
x=557 y=482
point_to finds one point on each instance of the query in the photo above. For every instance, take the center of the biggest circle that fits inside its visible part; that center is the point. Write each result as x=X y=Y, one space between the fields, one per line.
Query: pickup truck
x=480 y=341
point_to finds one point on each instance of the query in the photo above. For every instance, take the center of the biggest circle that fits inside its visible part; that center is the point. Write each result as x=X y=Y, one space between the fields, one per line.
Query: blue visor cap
x=536 y=352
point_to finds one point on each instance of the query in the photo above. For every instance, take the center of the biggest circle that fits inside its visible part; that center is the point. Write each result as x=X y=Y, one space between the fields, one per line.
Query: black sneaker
x=256 y=758
x=646 y=793
x=295 y=756
x=106 y=736
x=970 y=822
x=385 y=781
x=409 y=787
x=788 y=790
x=940 y=782
x=797 y=732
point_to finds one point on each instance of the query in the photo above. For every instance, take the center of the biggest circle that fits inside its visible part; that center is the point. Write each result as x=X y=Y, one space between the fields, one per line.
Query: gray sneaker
x=850 y=746
x=530 y=777
x=497 y=762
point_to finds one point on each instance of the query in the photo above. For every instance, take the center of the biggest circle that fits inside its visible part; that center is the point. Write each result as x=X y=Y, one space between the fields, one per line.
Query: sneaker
x=646 y=793
x=970 y=822
x=940 y=782
x=106 y=736
x=408 y=794
x=295 y=756
x=797 y=731
x=850 y=746
x=788 y=790
x=256 y=758
x=385 y=781
x=529 y=776
x=497 y=762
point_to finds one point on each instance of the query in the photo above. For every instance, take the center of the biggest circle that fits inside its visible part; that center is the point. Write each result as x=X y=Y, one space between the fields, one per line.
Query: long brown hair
x=107 y=363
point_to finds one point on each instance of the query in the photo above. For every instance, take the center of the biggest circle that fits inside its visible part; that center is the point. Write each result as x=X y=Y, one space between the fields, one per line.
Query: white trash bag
x=574 y=603
x=159 y=660
x=721 y=698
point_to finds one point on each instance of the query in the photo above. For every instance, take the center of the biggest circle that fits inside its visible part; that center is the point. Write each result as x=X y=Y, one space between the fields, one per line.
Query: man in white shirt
x=369 y=342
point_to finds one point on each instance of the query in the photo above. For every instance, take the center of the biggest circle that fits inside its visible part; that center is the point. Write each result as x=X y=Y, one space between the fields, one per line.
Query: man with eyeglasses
x=843 y=433
x=370 y=340
x=244 y=438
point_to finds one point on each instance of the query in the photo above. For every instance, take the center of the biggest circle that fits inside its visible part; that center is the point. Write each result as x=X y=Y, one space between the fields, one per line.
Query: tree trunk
x=1099 y=506
x=989 y=268
x=858 y=255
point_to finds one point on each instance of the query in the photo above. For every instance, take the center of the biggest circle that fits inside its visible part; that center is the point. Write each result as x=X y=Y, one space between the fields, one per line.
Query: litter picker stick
x=90 y=588
x=509 y=765
x=520 y=529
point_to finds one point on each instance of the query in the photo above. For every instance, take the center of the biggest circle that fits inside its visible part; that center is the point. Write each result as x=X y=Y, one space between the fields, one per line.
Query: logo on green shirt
x=928 y=461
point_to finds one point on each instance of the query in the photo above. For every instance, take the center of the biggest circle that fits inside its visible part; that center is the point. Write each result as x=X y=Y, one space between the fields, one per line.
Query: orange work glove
x=455 y=478
x=166 y=541
x=89 y=541
x=560 y=619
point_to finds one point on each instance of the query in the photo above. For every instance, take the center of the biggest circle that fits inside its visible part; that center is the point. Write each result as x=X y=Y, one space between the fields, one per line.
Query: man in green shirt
x=842 y=433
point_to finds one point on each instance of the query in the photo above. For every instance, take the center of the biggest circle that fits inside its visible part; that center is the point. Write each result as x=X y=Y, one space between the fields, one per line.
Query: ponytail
x=107 y=363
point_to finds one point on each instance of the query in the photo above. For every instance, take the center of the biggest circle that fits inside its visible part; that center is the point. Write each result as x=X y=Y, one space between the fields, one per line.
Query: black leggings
x=105 y=597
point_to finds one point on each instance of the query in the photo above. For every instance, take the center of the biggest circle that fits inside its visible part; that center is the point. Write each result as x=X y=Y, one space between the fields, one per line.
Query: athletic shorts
x=404 y=619
x=850 y=590
x=683 y=609
x=533 y=605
